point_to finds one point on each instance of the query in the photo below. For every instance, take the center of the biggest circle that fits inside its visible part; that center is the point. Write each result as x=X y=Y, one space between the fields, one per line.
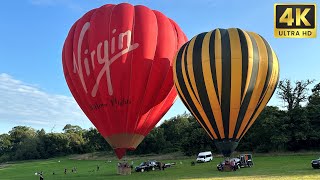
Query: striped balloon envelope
x=225 y=78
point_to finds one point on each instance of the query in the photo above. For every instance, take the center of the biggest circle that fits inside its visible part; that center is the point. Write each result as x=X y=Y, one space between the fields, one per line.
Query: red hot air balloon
x=117 y=61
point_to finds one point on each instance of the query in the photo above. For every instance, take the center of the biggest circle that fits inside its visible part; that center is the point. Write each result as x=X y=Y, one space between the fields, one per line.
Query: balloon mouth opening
x=124 y=141
x=120 y=152
x=226 y=147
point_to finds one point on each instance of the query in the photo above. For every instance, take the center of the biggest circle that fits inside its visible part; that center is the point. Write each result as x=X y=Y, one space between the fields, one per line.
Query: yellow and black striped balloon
x=225 y=78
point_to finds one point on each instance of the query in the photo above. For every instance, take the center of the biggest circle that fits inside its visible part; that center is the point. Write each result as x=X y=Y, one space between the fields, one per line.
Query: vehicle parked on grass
x=204 y=156
x=146 y=166
x=243 y=160
x=166 y=165
x=315 y=163
x=152 y=165
x=246 y=160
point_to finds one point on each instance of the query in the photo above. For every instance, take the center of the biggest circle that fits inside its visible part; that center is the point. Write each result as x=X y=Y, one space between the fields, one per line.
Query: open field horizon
x=275 y=166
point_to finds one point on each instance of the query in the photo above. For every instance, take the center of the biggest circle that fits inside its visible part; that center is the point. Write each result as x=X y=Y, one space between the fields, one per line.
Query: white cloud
x=25 y=104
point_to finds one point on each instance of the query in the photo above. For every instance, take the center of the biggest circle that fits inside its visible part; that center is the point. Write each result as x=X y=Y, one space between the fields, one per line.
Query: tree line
x=291 y=128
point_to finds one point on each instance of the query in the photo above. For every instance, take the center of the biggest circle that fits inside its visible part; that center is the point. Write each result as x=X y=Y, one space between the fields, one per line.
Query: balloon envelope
x=117 y=61
x=225 y=77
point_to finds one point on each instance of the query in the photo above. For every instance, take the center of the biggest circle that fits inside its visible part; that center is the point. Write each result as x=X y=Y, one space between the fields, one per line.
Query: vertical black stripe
x=213 y=63
x=179 y=69
x=255 y=111
x=245 y=59
x=200 y=83
x=270 y=66
x=275 y=87
x=226 y=79
x=267 y=81
x=184 y=88
x=186 y=70
x=254 y=74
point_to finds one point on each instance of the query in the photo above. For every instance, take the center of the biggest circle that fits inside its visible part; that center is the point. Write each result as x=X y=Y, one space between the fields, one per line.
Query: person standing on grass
x=74 y=169
x=233 y=165
x=65 y=170
x=41 y=176
x=98 y=167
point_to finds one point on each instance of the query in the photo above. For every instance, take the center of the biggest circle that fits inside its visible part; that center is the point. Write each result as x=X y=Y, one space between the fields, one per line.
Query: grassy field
x=295 y=166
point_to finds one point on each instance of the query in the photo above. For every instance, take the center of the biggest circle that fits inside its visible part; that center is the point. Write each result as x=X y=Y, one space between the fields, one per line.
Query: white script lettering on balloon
x=106 y=60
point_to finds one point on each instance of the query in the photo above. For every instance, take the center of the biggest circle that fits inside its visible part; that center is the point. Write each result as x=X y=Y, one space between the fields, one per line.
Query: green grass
x=266 y=167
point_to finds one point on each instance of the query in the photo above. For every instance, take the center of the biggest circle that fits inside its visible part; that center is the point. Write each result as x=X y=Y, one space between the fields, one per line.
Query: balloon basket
x=227 y=168
x=226 y=165
x=124 y=168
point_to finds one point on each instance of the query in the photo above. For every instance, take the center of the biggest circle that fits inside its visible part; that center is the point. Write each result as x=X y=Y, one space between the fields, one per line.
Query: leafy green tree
x=27 y=149
x=313 y=107
x=75 y=136
x=174 y=131
x=41 y=134
x=94 y=141
x=19 y=136
x=313 y=114
x=18 y=133
x=299 y=128
x=56 y=144
x=267 y=133
x=295 y=94
x=72 y=129
x=154 y=143
x=195 y=139
x=5 y=144
x=298 y=124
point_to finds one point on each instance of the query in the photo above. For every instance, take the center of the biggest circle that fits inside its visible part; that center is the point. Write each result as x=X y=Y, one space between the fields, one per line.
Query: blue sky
x=33 y=91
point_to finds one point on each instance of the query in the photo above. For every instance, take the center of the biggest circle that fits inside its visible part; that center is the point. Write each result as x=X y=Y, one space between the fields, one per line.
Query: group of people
x=124 y=168
x=125 y=165
x=232 y=164
x=73 y=170
x=228 y=165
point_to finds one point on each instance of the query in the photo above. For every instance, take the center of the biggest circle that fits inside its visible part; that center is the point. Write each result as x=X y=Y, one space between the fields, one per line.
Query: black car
x=315 y=163
x=152 y=165
x=147 y=166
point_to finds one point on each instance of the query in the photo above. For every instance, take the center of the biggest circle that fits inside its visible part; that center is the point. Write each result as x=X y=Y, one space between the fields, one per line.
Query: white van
x=204 y=156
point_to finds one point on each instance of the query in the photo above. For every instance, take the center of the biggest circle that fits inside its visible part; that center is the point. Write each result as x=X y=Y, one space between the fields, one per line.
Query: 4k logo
x=295 y=21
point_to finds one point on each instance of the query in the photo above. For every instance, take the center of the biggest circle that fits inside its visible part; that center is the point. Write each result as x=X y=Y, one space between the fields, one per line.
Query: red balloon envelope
x=117 y=61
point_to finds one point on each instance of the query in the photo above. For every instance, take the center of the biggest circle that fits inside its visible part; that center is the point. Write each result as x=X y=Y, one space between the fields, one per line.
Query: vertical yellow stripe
x=273 y=56
x=261 y=77
x=236 y=75
x=217 y=52
x=270 y=89
x=193 y=97
x=215 y=106
x=190 y=68
x=250 y=63
x=176 y=82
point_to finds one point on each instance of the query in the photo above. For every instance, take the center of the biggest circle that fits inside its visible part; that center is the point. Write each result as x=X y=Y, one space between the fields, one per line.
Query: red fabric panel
x=117 y=61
